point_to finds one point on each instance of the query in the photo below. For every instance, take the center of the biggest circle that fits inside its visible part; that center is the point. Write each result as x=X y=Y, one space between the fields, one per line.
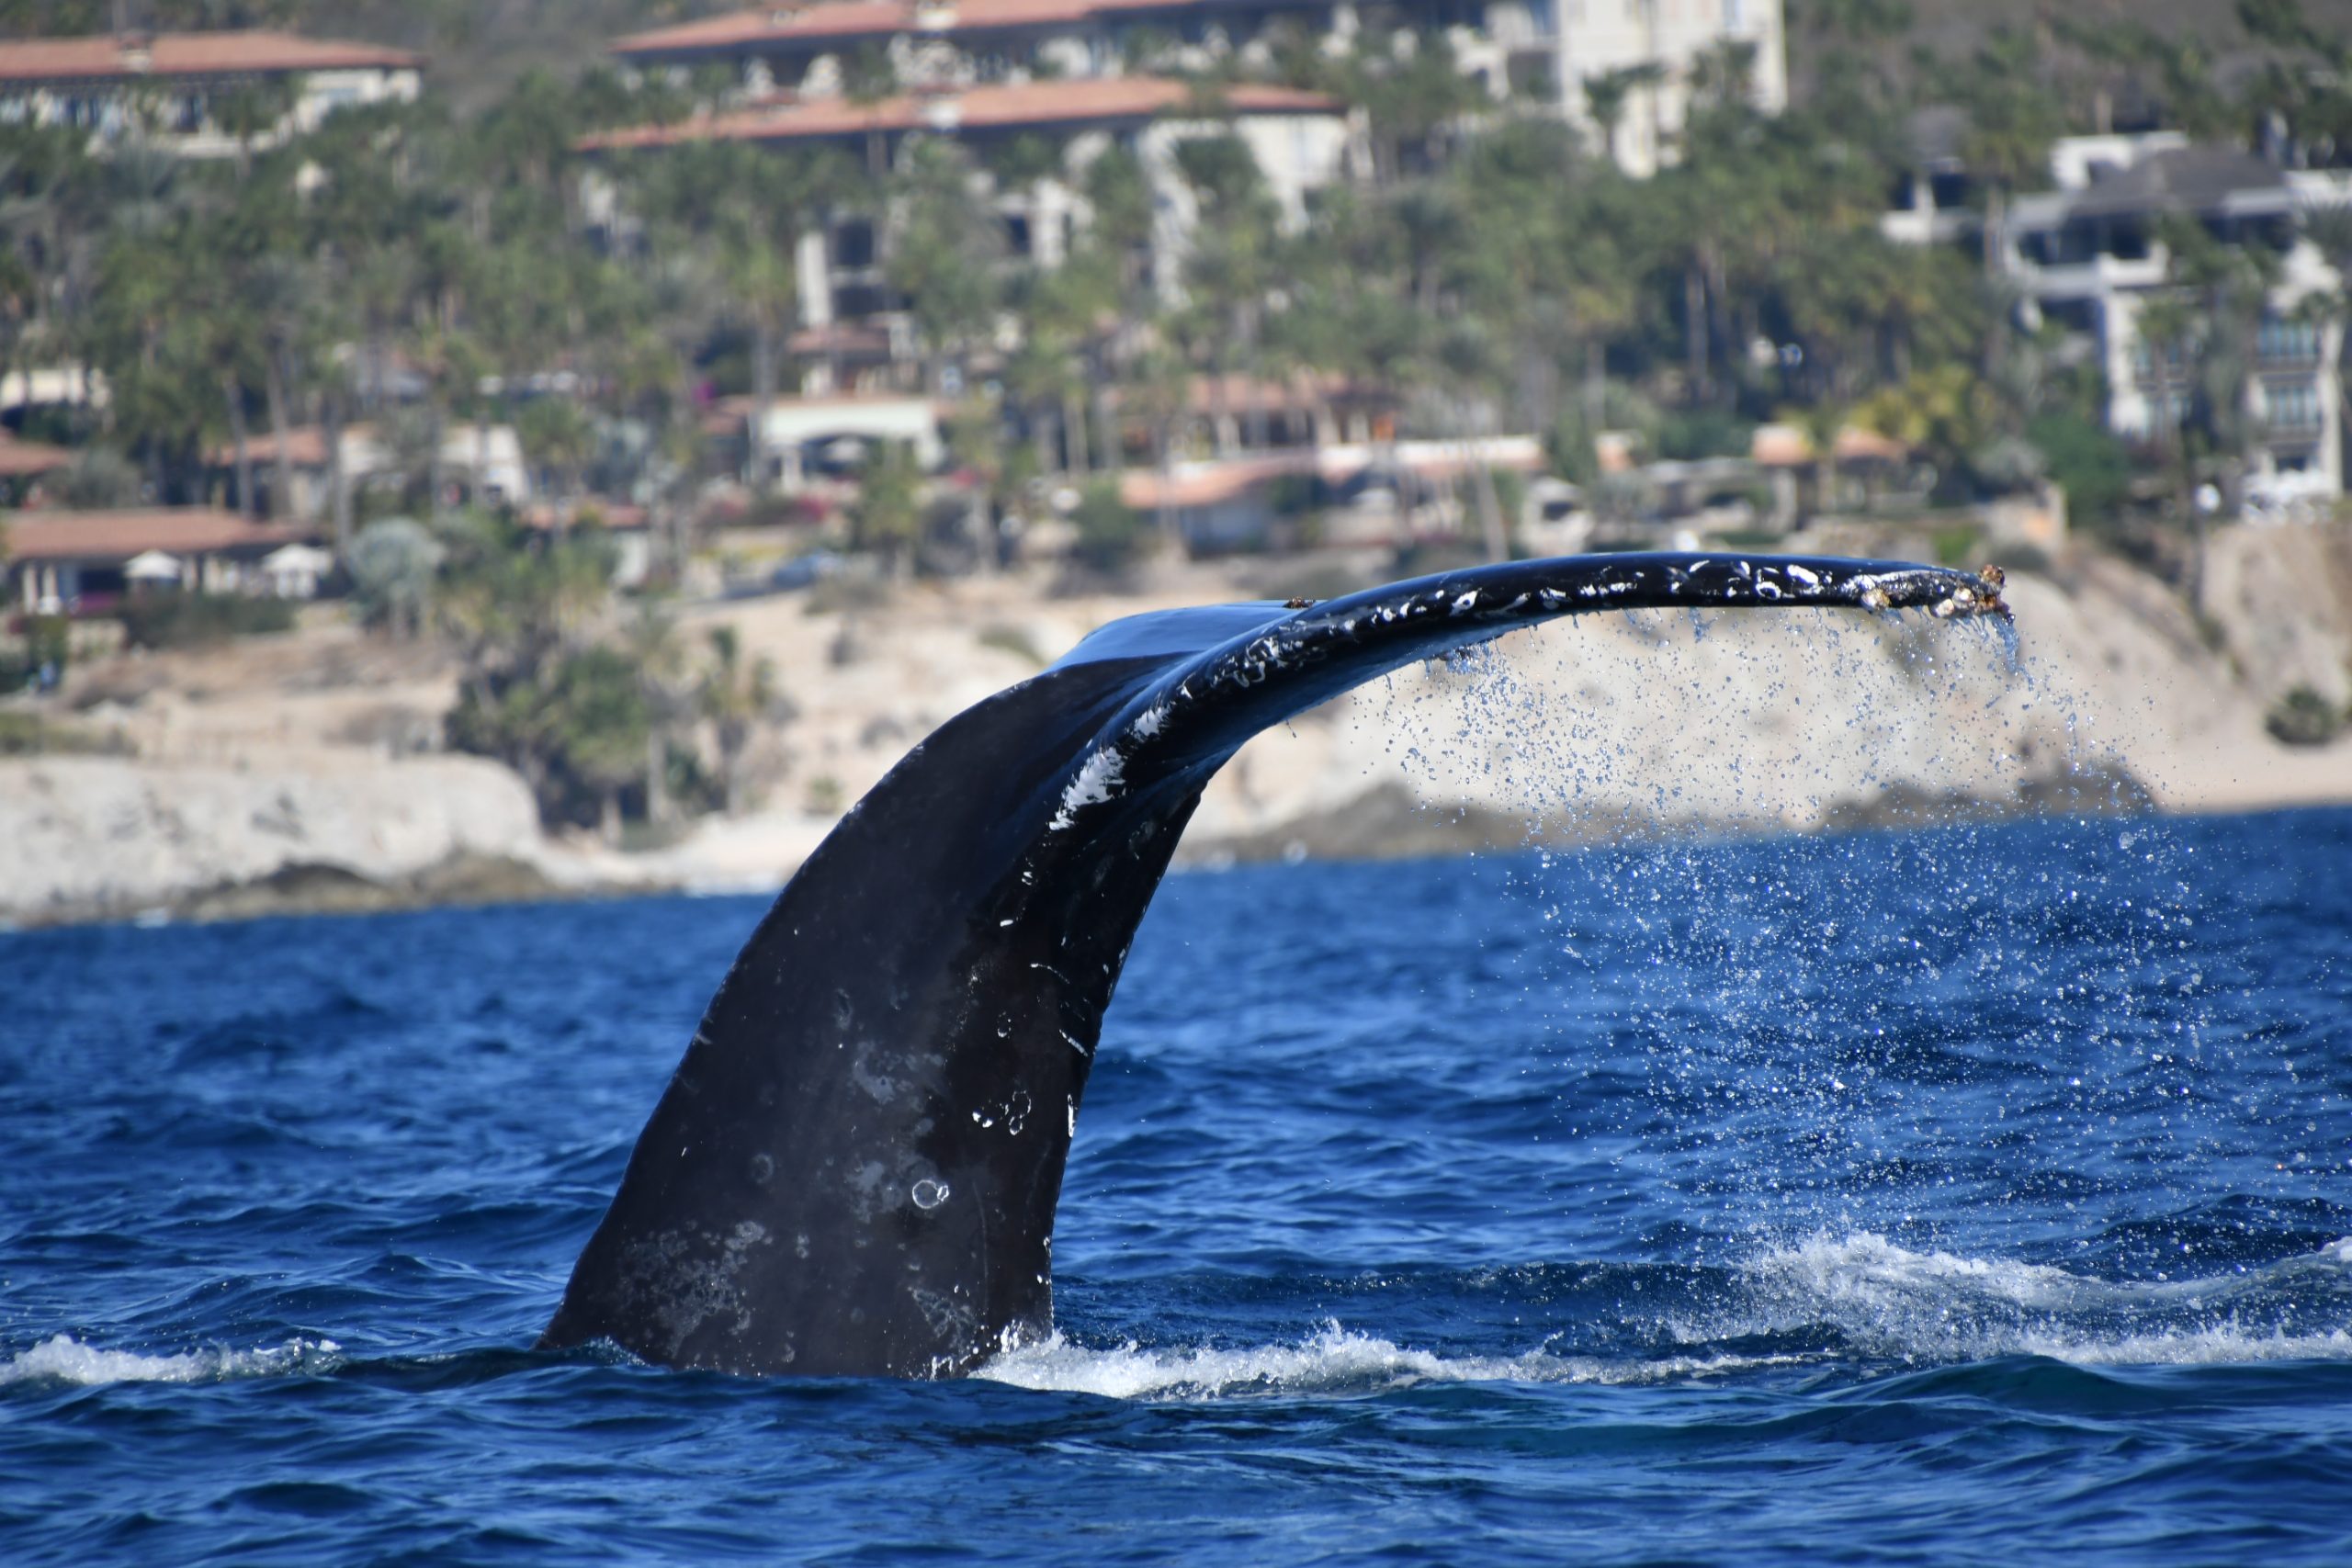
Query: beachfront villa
x=80 y=562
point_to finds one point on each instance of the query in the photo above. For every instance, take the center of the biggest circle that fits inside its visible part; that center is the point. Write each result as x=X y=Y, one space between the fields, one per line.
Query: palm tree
x=734 y=696
x=943 y=252
x=888 y=516
x=650 y=640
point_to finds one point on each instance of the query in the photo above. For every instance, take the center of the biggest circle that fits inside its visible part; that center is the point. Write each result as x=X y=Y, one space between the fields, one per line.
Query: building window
x=853 y=244
x=2144 y=359
x=2284 y=341
x=2291 y=405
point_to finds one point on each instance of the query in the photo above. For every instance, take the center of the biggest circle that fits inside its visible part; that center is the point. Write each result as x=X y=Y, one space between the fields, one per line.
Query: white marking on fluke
x=1097 y=784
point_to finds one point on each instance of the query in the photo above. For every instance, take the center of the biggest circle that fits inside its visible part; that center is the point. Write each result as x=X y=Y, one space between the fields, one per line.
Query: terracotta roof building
x=76 y=560
x=781 y=32
x=168 y=88
x=1538 y=52
x=853 y=329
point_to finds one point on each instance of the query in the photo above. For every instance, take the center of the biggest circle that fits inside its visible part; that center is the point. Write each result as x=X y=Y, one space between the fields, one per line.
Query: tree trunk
x=1719 y=329
x=234 y=394
x=481 y=450
x=1044 y=438
x=730 y=767
x=281 y=480
x=1694 y=329
x=1108 y=453
x=1075 y=445
x=338 y=477
x=762 y=395
x=979 y=524
x=609 y=819
x=1492 y=531
x=433 y=470
x=657 y=777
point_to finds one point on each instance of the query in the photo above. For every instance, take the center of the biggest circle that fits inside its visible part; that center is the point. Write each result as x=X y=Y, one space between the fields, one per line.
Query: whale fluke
x=854 y=1170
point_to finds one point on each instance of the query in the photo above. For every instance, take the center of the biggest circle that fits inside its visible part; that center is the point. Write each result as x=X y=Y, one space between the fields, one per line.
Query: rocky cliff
x=97 y=837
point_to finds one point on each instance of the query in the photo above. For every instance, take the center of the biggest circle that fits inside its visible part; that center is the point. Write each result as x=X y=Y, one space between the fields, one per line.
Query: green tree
x=943 y=255
x=1111 y=535
x=735 y=695
x=1606 y=94
x=392 y=564
x=887 y=519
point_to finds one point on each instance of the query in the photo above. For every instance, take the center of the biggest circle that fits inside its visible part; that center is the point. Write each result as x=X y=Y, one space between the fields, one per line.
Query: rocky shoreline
x=259 y=785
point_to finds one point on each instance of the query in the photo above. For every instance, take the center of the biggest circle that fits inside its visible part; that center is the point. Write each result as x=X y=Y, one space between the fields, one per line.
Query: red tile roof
x=829 y=21
x=998 y=106
x=119 y=536
x=1210 y=483
x=119 y=57
x=841 y=337
x=306 y=448
x=22 y=459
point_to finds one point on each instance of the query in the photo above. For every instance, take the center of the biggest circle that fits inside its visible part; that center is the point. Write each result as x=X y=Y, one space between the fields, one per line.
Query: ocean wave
x=1332 y=1361
x=63 y=1360
x=1887 y=1300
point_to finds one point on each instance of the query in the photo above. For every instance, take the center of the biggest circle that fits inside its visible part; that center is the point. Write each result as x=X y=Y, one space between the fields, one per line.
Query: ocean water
x=1931 y=1196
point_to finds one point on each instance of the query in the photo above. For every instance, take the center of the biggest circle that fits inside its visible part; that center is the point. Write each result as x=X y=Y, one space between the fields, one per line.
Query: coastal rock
x=93 y=837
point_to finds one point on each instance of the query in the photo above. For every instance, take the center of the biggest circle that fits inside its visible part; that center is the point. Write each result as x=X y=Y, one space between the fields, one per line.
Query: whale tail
x=854 y=1170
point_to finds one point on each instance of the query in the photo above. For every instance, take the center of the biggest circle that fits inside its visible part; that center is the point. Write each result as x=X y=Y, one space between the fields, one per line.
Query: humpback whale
x=854 y=1171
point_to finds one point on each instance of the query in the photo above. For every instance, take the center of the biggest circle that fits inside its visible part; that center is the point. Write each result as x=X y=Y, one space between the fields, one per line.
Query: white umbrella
x=153 y=565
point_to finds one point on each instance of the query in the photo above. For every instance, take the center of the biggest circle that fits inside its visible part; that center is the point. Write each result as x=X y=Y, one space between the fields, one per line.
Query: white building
x=1555 y=49
x=2089 y=256
x=486 y=464
x=1568 y=51
x=851 y=320
x=177 y=90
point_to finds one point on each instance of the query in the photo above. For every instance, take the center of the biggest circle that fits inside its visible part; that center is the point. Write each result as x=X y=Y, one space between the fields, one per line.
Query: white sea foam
x=62 y=1359
x=1334 y=1360
x=1883 y=1301
x=1938 y=1305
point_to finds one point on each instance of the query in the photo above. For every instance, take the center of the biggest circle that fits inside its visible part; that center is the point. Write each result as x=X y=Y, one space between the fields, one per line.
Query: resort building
x=1624 y=68
x=871 y=78
x=2089 y=255
x=854 y=330
x=480 y=464
x=198 y=95
x=1626 y=71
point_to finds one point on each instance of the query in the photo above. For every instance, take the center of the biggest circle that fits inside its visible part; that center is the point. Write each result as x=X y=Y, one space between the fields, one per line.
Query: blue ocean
x=1957 y=1194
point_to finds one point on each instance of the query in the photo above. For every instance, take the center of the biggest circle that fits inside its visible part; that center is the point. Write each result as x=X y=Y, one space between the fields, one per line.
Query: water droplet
x=928 y=1194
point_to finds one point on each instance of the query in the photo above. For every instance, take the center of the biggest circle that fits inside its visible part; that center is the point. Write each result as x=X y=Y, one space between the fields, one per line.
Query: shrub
x=31 y=735
x=1111 y=533
x=199 y=620
x=392 y=563
x=98 y=480
x=2091 y=465
x=1705 y=432
x=2303 y=717
x=1955 y=545
x=49 y=641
